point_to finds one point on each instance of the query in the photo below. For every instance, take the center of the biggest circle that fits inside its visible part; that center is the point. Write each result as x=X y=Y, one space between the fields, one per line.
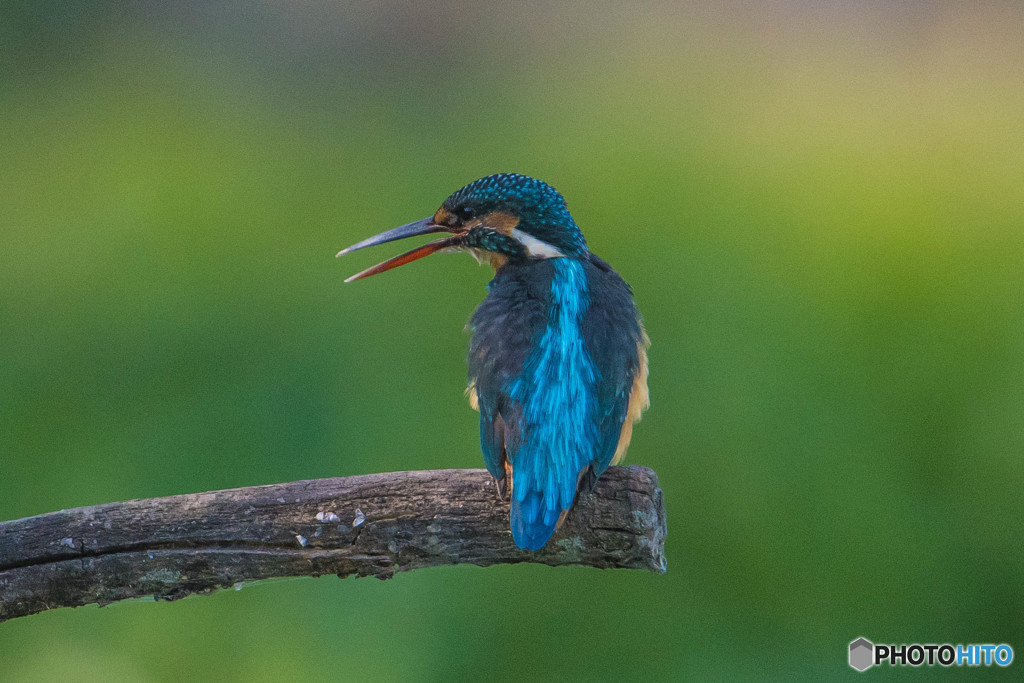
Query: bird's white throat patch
x=535 y=247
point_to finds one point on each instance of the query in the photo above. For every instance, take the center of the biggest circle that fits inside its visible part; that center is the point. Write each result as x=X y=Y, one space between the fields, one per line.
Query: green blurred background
x=818 y=204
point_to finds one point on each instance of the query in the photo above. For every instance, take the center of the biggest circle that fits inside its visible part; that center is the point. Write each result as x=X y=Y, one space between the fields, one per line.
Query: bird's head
x=500 y=218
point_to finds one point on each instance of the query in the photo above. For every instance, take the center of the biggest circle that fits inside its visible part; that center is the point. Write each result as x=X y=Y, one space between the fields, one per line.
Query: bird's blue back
x=557 y=346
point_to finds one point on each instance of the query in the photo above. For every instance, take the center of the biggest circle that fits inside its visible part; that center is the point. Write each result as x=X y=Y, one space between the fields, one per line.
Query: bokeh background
x=820 y=208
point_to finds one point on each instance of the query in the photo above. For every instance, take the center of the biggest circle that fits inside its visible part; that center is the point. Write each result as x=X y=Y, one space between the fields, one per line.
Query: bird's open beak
x=421 y=227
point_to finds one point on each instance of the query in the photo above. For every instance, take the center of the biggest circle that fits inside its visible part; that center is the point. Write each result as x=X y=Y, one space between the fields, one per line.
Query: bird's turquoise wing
x=492 y=432
x=617 y=344
x=625 y=400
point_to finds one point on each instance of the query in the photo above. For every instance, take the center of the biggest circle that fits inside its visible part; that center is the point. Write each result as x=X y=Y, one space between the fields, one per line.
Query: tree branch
x=369 y=525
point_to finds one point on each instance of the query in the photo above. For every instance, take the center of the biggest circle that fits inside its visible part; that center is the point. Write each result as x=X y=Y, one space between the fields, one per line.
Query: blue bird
x=557 y=361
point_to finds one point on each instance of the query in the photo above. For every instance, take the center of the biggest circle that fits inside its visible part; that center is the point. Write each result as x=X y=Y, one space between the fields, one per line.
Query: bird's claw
x=501 y=485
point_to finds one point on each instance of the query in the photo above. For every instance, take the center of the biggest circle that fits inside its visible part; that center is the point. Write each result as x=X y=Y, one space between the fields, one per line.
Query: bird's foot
x=502 y=487
x=588 y=481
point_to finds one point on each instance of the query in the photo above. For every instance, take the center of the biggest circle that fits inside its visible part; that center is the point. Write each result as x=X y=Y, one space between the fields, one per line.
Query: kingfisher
x=558 y=354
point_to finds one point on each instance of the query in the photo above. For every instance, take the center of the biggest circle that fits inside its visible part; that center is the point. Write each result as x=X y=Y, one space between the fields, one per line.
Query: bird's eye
x=466 y=213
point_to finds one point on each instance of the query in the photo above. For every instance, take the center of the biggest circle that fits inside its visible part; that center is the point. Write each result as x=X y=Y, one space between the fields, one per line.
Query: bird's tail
x=532 y=522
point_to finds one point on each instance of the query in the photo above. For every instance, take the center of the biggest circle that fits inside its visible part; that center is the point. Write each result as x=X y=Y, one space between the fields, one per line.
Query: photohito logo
x=864 y=654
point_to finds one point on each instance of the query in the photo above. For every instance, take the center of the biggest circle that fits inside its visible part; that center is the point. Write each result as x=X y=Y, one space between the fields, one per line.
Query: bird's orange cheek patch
x=501 y=221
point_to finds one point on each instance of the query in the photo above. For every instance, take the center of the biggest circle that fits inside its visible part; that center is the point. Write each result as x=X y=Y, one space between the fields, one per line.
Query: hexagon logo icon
x=862 y=654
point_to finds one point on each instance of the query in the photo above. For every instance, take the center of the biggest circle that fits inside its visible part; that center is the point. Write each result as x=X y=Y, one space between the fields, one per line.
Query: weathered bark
x=369 y=525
